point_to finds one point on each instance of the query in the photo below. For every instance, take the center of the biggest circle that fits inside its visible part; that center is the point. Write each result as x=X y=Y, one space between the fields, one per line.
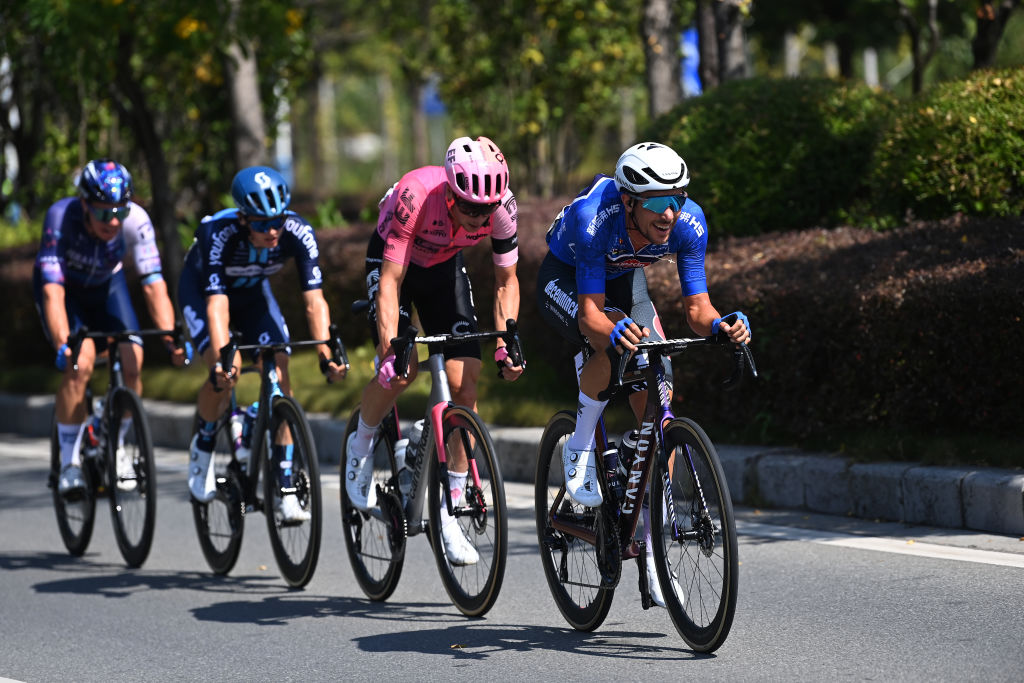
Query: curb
x=981 y=499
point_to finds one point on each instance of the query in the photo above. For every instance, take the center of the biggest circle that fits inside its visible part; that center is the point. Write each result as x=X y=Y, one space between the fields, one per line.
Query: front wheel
x=696 y=556
x=75 y=516
x=480 y=516
x=221 y=522
x=572 y=566
x=375 y=538
x=131 y=468
x=288 y=447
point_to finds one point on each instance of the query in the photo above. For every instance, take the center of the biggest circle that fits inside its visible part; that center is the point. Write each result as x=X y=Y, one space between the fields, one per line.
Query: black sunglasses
x=105 y=215
x=473 y=209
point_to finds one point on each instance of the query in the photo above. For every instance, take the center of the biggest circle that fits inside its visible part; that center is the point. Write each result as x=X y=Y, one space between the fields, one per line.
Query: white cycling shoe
x=71 y=483
x=359 y=477
x=126 y=477
x=202 y=480
x=290 y=509
x=457 y=547
x=581 y=476
x=655 y=586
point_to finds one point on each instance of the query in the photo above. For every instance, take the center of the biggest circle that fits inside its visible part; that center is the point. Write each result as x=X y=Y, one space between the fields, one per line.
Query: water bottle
x=416 y=432
x=404 y=475
x=237 y=426
x=627 y=450
x=611 y=467
x=243 y=446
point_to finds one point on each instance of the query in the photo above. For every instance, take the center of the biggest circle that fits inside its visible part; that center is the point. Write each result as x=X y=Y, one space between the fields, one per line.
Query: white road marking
x=899 y=546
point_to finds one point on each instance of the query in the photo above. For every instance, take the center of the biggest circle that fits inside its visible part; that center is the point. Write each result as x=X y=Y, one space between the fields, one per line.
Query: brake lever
x=227 y=358
x=402 y=346
x=75 y=344
x=513 y=346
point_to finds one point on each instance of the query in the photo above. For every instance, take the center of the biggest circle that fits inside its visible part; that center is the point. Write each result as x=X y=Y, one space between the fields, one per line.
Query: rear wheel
x=221 y=522
x=481 y=516
x=697 y=558
x=572 y=566
x=375 y=538
x=131 y=468
x=75 y=516
x=296 y=544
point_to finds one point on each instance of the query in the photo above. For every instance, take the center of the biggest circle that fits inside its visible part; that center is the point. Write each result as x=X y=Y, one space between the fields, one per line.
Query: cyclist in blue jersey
x=79 y=280
x=591 y=286
x=225 y=281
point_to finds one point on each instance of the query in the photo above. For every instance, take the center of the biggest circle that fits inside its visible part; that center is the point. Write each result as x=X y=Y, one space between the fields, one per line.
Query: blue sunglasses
x=107 y=215
x=659 y=204
x=267 y=224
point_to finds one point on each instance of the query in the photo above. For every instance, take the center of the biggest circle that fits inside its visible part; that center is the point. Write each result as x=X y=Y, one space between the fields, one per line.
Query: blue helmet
x=260 y=191
x=105 y=181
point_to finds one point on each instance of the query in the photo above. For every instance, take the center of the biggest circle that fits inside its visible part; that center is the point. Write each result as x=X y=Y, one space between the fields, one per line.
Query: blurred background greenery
x=793 y=115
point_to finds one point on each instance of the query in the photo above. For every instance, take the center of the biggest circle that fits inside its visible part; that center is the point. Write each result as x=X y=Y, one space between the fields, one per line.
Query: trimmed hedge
x=770 y=154
x=959 y=149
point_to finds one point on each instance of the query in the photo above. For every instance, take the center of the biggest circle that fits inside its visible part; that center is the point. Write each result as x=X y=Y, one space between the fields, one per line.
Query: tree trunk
x=661 y=54
x=130 y=101
x=706 y=36
x=415 y=92
x=992 y=18
x=914 y=31
x=731 y=39
x=246 y=107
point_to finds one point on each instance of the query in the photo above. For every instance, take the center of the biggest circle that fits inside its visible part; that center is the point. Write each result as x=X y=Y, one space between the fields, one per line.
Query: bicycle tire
x=75 y=517
x=375 y=544
x=220 y=523
x=132 y=497
x=473 y=588
x=571 y=566
x=699 y=573
x=296 y=546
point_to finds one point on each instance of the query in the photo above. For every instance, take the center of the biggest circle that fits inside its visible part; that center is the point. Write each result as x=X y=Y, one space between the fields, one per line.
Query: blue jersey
x=70 y=256
x=591 y=235
x=224 y=260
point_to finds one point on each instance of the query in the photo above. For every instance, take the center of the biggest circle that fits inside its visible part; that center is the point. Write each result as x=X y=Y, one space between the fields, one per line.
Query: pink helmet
x=476 y=170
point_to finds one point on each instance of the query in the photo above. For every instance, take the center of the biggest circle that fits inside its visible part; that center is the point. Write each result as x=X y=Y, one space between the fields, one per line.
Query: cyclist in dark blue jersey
x=224 y=282
x=79 y=280
x=591 y=285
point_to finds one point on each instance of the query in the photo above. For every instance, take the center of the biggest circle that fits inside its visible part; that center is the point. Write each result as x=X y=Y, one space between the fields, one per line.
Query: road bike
x=376 y=538
x=690 y=510
x=121 y=434
x=279 y=421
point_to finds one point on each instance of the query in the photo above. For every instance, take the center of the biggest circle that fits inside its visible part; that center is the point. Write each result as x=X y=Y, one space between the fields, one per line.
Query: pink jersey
x=416 y=227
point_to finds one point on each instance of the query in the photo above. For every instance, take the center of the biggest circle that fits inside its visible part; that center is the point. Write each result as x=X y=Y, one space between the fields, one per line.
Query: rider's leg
x=70 y=405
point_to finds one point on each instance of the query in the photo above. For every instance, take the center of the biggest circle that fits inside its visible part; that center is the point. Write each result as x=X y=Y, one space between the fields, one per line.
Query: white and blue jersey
x=590 y=234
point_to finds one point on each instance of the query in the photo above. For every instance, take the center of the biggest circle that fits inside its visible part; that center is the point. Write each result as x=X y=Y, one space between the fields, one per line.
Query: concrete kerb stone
x=993 y=500
x=931 y=495
x=982 y=499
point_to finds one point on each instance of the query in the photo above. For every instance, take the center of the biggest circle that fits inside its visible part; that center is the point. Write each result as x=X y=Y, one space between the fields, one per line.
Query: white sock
x=363 y=443
x=457 y=485
x=70 y=438
x=588 y=412
x=126 y=424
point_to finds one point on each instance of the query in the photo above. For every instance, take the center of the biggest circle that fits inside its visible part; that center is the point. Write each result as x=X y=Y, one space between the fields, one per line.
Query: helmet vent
x=634 y=177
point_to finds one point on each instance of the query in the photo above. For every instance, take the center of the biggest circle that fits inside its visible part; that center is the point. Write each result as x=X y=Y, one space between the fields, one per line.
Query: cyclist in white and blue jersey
x=224 y=282
x=591 y=285
x=79 y=280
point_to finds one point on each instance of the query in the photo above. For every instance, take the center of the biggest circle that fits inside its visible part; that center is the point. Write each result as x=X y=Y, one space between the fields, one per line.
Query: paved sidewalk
x=982 y=499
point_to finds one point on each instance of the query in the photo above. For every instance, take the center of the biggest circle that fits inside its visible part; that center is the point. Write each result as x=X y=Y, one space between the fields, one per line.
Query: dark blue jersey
x=224 y=260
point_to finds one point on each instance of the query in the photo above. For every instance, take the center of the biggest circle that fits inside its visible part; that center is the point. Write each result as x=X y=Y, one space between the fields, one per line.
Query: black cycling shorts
x=442 y=295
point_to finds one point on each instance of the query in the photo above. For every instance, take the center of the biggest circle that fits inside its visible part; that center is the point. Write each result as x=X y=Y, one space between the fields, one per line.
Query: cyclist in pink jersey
x=414 y=259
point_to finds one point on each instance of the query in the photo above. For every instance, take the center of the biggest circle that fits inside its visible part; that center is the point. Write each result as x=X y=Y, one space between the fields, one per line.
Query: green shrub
x=769 y=154
x=959 y=149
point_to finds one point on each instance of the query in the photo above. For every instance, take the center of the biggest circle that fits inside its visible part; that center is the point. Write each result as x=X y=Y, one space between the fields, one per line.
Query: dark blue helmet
x=260 y=191
x=105 y=181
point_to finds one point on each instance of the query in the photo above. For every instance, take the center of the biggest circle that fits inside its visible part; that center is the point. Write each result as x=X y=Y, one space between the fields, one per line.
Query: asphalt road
x=820 y=598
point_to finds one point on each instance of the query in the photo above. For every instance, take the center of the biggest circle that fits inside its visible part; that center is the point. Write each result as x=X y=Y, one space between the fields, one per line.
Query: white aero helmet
x=650 y=166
